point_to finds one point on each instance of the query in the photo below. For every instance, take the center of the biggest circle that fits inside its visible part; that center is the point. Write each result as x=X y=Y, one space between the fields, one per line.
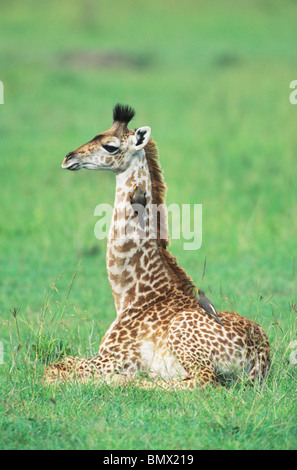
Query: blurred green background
x=212 y=80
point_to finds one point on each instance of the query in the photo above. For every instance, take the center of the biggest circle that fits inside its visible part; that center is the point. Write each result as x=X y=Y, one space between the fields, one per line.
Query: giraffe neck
x=136 y=271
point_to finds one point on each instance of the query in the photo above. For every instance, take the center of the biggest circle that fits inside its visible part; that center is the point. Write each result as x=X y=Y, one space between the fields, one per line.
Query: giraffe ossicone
x=159 y=328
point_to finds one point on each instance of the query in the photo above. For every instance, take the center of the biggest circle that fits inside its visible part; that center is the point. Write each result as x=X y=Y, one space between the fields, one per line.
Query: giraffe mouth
x=75 y=166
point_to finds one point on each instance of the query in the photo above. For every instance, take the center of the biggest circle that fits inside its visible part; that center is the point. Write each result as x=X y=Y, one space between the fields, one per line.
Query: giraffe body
x=160 y=330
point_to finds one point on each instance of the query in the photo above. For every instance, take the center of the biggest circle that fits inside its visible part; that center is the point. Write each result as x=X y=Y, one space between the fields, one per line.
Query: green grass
x=212 y=81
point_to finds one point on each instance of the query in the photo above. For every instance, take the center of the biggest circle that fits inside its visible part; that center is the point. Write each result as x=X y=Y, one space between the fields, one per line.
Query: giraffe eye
x=110 y=148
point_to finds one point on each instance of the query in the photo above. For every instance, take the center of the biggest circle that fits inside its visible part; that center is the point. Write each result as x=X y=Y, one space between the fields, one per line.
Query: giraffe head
x=113 y=149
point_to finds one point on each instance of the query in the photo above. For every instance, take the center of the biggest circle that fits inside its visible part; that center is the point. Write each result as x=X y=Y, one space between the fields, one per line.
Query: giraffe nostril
x=69 y=155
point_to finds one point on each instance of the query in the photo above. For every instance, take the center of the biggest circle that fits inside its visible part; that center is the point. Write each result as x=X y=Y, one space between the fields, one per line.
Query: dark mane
x=179 y=277
x=123 y=113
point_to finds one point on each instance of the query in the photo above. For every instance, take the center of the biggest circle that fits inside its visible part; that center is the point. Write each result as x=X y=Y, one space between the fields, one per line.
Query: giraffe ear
x=141 y=137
